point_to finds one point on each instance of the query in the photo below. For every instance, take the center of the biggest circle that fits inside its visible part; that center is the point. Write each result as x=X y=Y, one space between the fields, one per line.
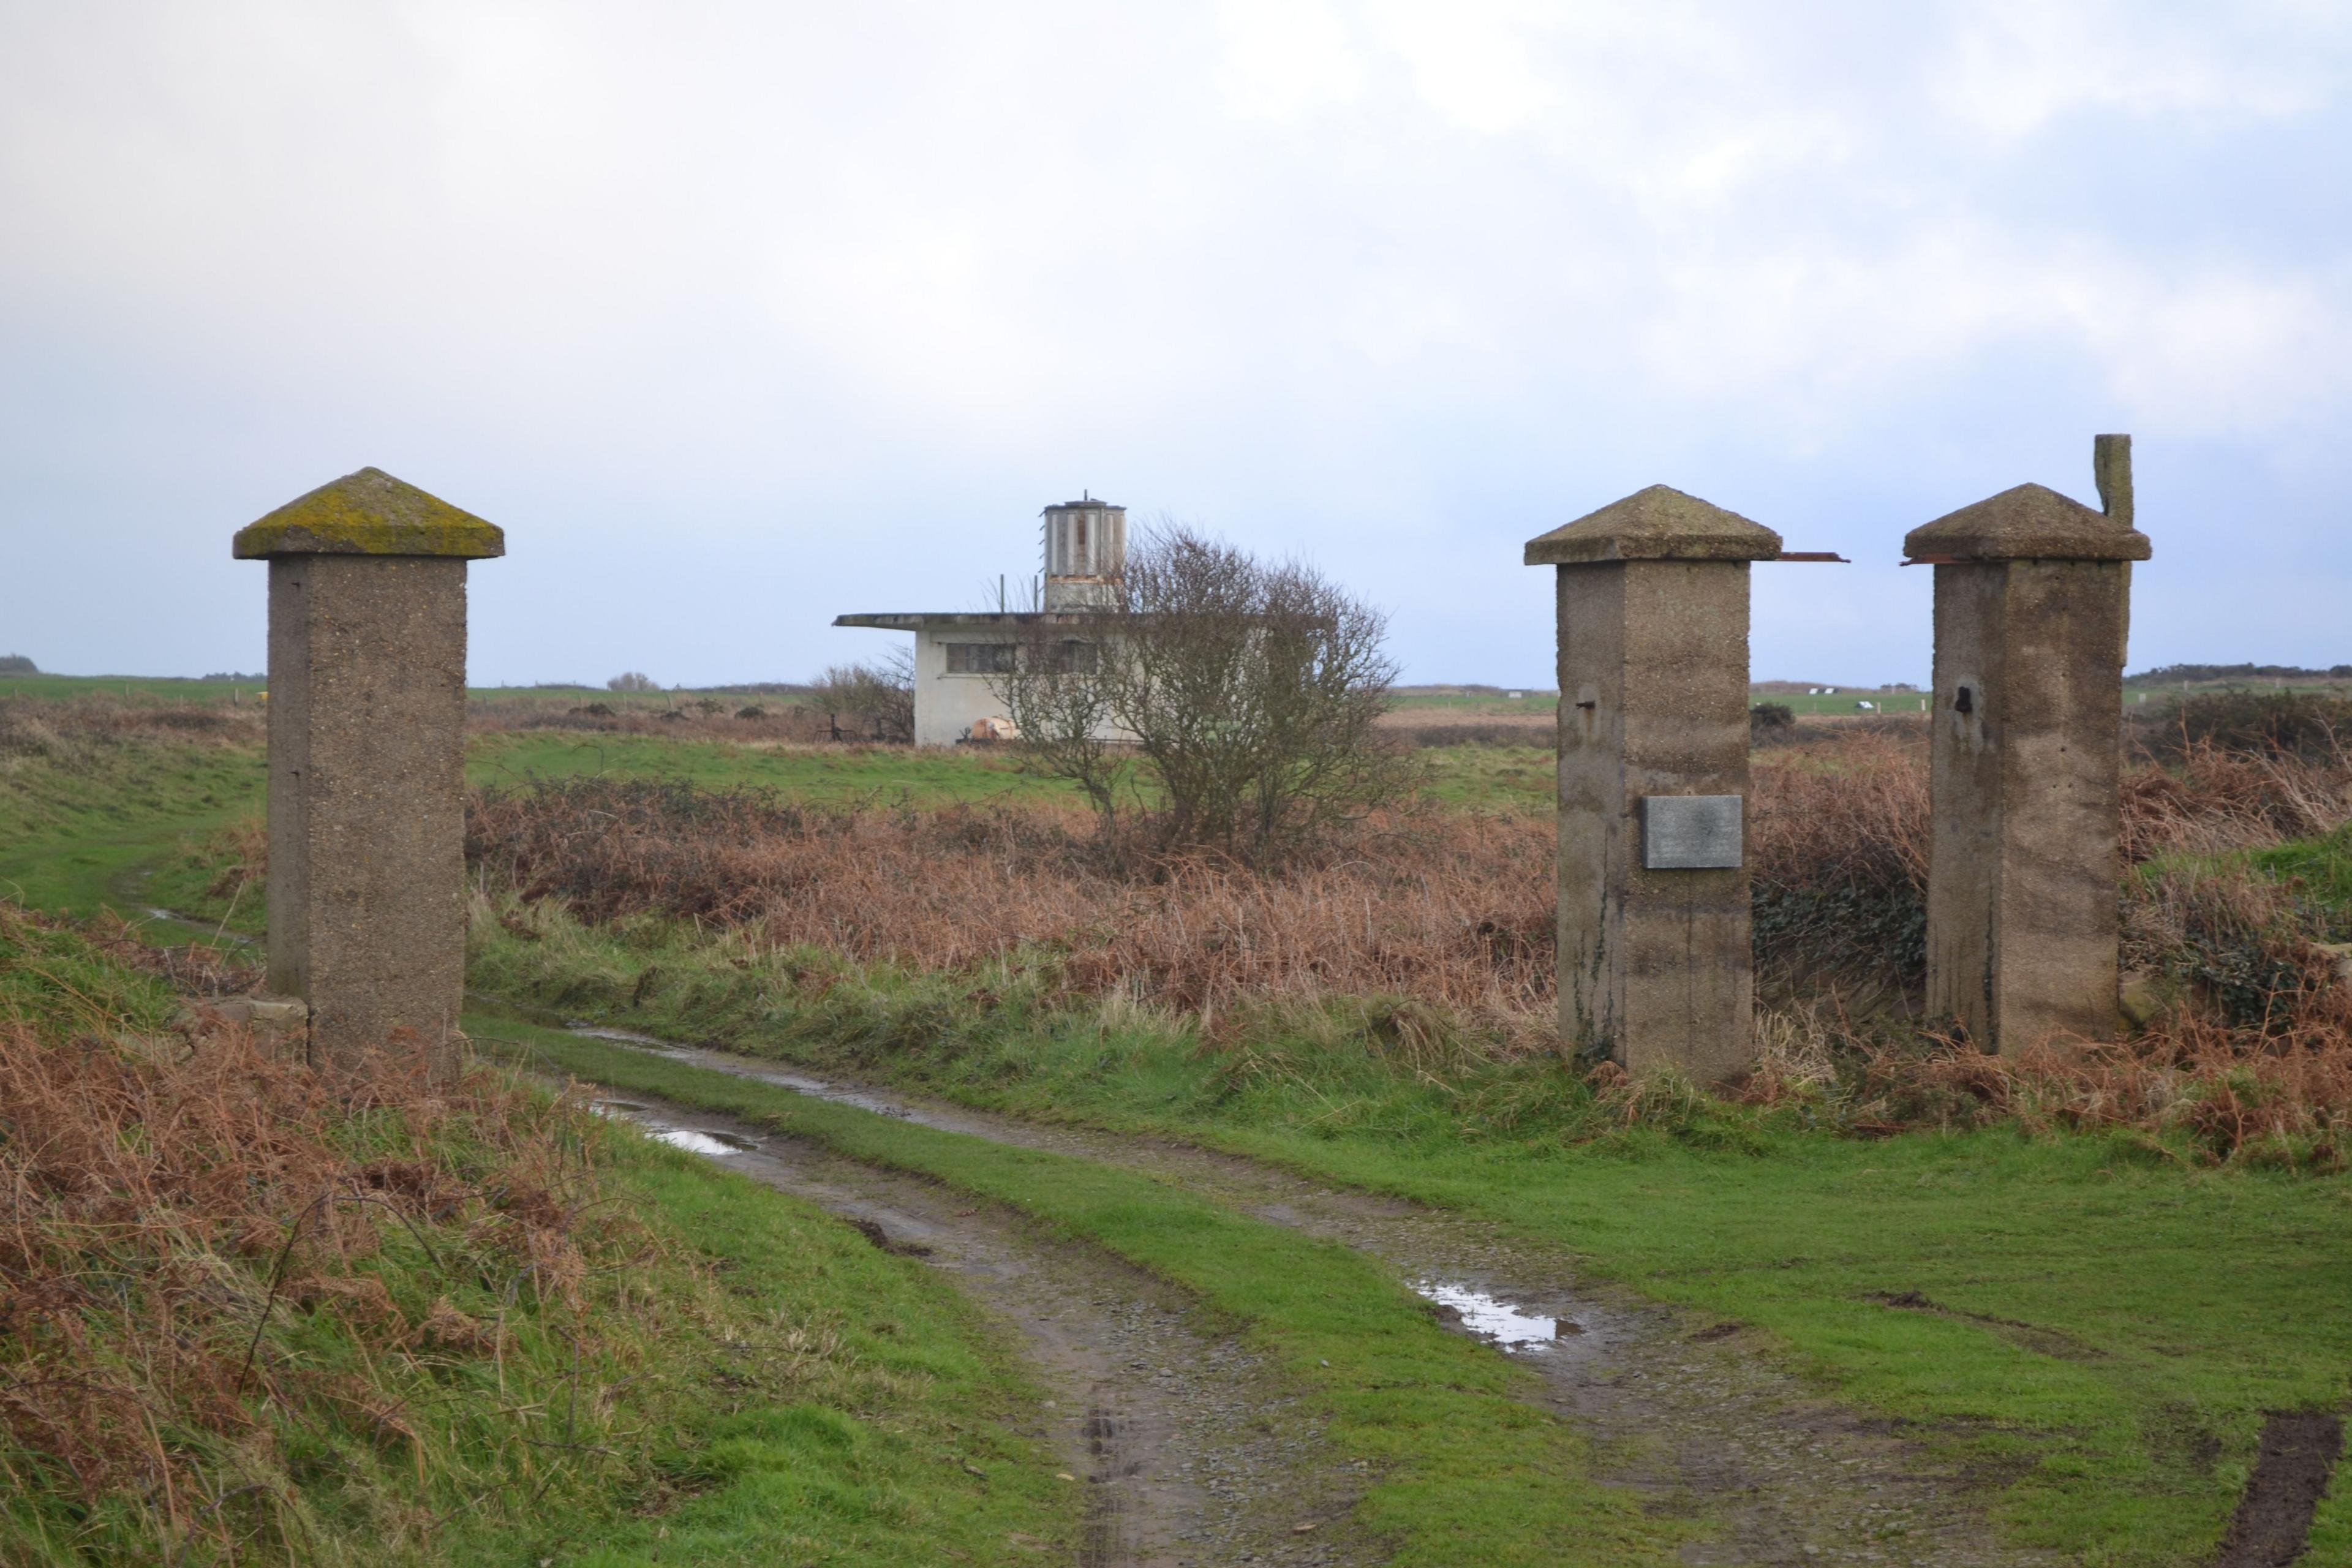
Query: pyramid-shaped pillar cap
x=369 y=513
x=2031 y=522
x=1655 y=524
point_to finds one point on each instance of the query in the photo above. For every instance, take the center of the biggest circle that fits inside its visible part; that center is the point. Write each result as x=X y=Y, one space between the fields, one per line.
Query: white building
x=957 y=651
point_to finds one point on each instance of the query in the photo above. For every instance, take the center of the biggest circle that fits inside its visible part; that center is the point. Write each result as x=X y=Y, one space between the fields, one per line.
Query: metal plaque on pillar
x=1691 y=833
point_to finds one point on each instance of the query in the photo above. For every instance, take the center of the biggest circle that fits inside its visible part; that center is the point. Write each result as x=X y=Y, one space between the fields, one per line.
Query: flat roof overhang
x=920 y=620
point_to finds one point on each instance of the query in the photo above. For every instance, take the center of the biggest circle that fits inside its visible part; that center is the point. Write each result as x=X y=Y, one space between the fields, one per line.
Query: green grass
x=2322 y=866
x=1843 y=700
x=2169 y=1306
x=76 y=833
x=1491 y=778
x=741 y=1380
x=60 y=984
x=880 y=775
x=1467 y=1469
x=131 y=688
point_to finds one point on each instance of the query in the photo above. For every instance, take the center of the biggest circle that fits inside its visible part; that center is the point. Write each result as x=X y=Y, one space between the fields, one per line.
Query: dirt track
x=1190 y=1453
x=1687 y=1411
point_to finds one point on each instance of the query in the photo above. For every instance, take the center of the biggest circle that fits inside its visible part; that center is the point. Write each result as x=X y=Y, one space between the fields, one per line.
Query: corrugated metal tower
x=1086 y=555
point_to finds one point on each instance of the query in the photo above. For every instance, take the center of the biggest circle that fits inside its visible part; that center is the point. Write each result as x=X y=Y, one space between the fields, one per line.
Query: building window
x=979 y=657
x=1073 y=658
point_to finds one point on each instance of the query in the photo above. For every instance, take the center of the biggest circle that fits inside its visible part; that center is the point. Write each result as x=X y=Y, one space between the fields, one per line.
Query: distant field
x=1423 y=702
x=146 y=688
x=1845 y=700
x=1413 y=705
x=177 y=688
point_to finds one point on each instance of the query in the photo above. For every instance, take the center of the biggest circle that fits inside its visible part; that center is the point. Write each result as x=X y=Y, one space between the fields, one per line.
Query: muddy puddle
x=1486 y=1317
x=1191 y=1453
x=1682 y=1409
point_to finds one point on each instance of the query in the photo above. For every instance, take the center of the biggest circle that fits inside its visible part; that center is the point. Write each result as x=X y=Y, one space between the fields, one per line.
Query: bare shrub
x=876 y=699
x=2316 y=727
x=1061 y=706
x=1248 y=691
x=633 y=680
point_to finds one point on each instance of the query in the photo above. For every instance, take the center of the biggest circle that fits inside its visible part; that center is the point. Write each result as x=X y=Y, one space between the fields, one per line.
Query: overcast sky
x=738 y=317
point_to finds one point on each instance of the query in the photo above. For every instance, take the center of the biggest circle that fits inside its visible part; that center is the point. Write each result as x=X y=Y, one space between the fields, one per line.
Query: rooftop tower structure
x=1086 y=555
x=959 y=653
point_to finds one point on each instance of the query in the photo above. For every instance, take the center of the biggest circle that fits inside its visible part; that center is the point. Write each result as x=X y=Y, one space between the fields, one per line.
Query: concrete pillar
x=2032 y=603
x=1656 y=969
x=367 y=736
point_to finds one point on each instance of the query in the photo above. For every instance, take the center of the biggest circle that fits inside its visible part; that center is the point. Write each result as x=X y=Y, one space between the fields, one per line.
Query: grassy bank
x=248 y=1316
x=93 y=793
x=2098 y=1319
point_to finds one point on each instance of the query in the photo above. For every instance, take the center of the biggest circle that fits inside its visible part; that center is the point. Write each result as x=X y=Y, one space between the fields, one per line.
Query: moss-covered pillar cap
x=369 y=513
x=2031 y=522
x=1655 y=524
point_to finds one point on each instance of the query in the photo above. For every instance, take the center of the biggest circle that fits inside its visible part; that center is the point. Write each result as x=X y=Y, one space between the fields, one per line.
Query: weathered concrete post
x=367 y=734
x=2032 y=603
x=1656 y=968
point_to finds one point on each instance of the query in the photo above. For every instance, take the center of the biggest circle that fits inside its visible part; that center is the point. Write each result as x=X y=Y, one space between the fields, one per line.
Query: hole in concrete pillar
x=1965 y=702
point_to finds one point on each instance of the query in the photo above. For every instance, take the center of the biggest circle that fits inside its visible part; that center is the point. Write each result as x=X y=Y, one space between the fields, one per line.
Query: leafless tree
x=878 y=700
x=633 y=680
x=1056 y=695
x=1231 y=700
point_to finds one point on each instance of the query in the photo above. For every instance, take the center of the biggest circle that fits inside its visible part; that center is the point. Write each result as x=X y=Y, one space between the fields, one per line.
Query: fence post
x=1656 y=968
x=2032 y=603
x=367 y=734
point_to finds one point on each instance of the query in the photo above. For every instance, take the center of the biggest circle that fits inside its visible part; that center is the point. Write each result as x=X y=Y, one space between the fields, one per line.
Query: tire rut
x=1191 y=1451
x=1684 y=1410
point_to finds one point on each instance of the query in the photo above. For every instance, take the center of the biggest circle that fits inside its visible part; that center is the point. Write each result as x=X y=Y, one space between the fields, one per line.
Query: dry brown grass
x=2210 y=801
x=170 y=1200
x=736 y=718
x=1851 y=809
x=1453 y=909
x=32 y=728
x=2284 y=1098
x=1453 y=915
x=2251 y=1045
